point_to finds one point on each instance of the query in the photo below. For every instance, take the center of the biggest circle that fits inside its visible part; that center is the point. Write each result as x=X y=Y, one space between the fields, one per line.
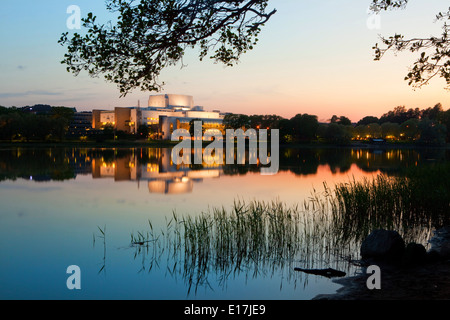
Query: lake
x=88 y=206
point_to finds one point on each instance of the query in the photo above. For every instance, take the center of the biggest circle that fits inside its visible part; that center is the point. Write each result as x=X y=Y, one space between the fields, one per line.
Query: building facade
x=81 y=124
x=164 y=114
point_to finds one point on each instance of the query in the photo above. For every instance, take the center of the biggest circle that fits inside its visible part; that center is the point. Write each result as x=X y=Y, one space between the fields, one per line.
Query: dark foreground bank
x=428 y=280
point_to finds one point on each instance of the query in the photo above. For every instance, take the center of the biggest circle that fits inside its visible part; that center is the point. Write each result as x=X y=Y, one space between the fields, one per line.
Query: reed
x=326 y=230
x=250 y=239
x=102 y=236
x=418 y=200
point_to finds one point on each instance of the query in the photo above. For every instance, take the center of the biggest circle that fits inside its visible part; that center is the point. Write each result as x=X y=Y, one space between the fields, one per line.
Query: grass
x=417 y=200
x=102 y=236
x=250 y=239
x=326 y=230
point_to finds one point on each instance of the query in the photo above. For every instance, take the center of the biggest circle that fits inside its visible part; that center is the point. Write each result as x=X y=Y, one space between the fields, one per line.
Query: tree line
x=44 y=123
x=429 y=126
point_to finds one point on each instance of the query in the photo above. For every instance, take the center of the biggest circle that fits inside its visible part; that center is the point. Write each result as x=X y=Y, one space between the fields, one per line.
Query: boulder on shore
x=383 y=245
x=415 y=253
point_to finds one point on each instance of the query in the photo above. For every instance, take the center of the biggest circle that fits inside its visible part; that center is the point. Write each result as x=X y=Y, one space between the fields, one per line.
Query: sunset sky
x=314 y=57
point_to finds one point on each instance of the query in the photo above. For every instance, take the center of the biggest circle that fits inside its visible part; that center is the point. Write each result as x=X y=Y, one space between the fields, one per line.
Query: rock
x=440 y=243
x=433 y=256
x=415 y=253
x=383 y=245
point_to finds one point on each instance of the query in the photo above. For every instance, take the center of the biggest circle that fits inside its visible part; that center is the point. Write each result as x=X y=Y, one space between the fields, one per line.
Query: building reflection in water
x=156 y=169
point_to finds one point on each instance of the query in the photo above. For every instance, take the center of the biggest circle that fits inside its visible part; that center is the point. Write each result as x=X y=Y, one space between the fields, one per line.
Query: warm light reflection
x=155 y=165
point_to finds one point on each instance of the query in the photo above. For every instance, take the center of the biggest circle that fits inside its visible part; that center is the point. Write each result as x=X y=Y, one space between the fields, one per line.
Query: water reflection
x=48 y=220
x=253 y=240
x=153 y=166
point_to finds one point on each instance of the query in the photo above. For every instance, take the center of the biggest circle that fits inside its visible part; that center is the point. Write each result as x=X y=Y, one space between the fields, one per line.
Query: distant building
x=164 y=114
x=166 y=101
x=81 y=124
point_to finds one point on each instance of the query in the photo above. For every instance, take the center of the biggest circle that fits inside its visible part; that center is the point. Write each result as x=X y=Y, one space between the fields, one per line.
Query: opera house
x=164 y=114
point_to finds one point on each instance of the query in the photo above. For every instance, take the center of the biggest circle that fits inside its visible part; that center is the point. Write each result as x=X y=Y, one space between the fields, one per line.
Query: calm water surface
x=53 y=202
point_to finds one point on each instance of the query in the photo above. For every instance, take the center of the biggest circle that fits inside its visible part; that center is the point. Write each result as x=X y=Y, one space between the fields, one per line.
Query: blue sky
x=313 y=57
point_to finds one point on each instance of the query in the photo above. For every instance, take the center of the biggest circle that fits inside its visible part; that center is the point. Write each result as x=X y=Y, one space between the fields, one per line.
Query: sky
x=313 y=57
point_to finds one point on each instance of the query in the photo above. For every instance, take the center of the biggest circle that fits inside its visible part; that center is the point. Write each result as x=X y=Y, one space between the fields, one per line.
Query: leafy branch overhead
x=433 y=52
x=379 y=5
x=151 y=35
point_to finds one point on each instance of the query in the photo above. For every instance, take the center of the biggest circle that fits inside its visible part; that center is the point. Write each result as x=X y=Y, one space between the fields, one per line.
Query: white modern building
x=164 y=114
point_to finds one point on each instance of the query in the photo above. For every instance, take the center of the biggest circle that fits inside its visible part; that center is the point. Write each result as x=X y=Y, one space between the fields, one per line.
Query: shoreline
x=422 y=282
x=169 y=144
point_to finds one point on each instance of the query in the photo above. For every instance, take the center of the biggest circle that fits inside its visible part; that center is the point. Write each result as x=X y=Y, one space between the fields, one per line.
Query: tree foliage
x=379 y=5
x=236 y=121
x=400 y=114
x=265 y=121
x=29 y=127
x=151 y=35
x=338 y=133
x=143 y=131
x=433 y=52
x=341 y=120
x=367 y=120
x=300 y=128
x=304 y=127
x=431 y=133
